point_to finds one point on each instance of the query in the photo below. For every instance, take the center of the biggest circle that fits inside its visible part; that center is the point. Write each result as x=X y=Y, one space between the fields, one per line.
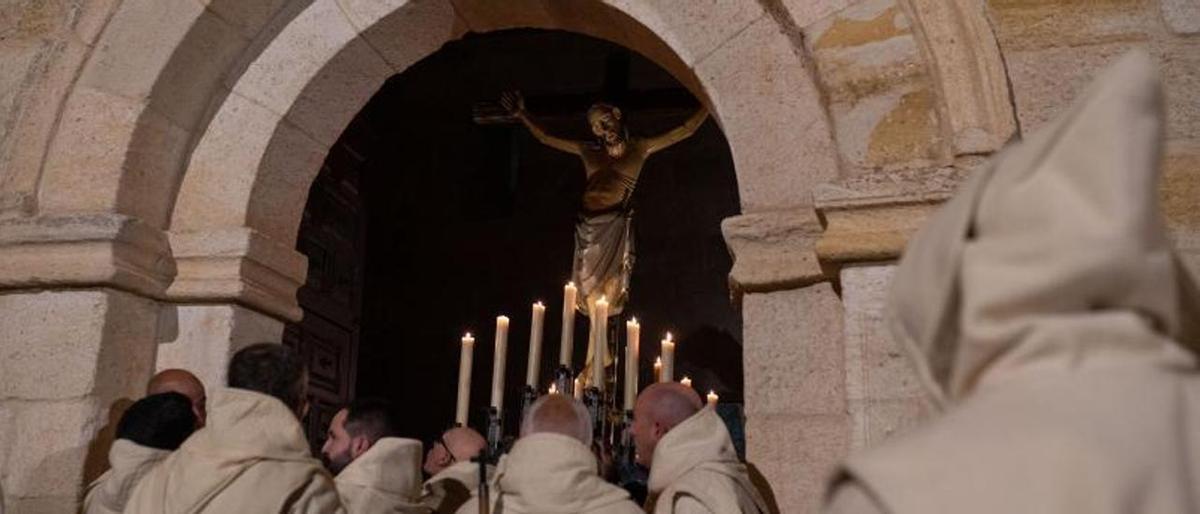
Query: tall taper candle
x=712 y=398
x=567 y=342
x=498 y=362
x=599 y=342
x=658 y=369
x=668 y=359
x=577 y=391
x=633 y=333
x=535 y=345
x=464 y=379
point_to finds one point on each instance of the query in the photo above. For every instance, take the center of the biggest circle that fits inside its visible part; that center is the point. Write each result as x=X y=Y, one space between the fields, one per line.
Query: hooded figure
x=549 y=473
x=1052 y=323
x=385 y=479
x=128 y=464
x=251 y=457
x=147 y=432
x=696 y=470
x=448 y=490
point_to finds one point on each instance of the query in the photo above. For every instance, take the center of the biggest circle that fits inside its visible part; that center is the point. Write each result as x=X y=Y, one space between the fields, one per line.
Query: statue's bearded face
x=606 y=124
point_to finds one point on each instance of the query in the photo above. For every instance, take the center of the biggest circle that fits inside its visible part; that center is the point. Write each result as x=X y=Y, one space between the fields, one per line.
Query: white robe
x=552 y=474
x=251 y=457
x=696 y=470
x=1049 y=318
x=128 y=464
x=448 y=490
x=385 y=479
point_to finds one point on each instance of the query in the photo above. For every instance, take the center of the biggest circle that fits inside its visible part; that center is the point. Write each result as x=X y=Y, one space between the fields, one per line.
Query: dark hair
x=371 y=417
x=162 y=421
x=271 y=369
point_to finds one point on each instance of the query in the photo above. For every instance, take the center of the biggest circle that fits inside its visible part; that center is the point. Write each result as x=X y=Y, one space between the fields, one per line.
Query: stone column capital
x=238 y=265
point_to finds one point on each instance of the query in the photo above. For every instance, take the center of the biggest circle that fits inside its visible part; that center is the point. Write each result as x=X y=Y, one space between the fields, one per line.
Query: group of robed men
x=245 y=451
x=1044 y=308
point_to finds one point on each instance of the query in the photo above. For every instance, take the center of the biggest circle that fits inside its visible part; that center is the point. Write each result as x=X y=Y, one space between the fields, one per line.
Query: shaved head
x=658 y=409
x=558 y=414
x=459 y=444
x=185 y=383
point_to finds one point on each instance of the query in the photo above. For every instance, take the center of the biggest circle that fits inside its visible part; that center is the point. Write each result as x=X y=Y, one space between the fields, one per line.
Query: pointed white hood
x=1053 y=254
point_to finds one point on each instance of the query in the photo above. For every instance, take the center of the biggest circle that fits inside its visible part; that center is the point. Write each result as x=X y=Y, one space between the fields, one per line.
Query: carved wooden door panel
x=331 y=235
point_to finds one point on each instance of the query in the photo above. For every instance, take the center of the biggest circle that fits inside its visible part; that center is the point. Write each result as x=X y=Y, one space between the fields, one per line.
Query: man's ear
x=659 y=430
x=359 y=445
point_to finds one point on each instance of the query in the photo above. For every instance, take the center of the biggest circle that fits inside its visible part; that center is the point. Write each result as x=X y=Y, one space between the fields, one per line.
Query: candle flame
x=538 y=303
x=468 y=336
x=553 y=388
x=669 y=337
x=571 y=284
x=633 y=320
x=658 y=362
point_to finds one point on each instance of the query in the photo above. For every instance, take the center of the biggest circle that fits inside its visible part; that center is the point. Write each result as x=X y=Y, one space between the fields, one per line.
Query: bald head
x=459 y=444
x=182 y=382
x=658 y=409
x=558 y=414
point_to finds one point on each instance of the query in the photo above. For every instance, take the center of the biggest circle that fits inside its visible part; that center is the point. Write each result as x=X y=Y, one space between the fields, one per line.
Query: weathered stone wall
x=154 y=157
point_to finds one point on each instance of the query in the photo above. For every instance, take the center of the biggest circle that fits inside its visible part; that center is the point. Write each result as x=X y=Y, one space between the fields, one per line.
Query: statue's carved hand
x=513 y=102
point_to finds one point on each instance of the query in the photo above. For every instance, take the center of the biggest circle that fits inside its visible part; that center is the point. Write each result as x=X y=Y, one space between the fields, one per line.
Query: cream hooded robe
x=128 y=464
x=448 y=490
x=385 y=479
x=696 y=470
x=1049 y=317
x=547 y=473
x=250 y=458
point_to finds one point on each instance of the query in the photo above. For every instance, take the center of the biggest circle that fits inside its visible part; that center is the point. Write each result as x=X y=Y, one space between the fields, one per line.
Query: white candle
x=599 y=342
x=578 y=392
x=553 y=388
x=567 y=342
x=658 y=369
x=712 y=399
x=633 y=333
x=668 y=359
x=464 y=379
x=498 y=362
x=535 y=345
x=686 y=381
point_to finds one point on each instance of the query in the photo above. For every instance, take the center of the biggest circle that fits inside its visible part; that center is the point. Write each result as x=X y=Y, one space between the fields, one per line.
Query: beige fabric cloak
x=251 y=457
x=696 y=470
x=548 y=473
x=448 y=490
x=128 y=464
x=385 y=479
x=1050 y=319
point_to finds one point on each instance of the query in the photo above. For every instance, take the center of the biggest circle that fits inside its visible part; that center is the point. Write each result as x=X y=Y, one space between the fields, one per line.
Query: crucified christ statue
x=613 y=162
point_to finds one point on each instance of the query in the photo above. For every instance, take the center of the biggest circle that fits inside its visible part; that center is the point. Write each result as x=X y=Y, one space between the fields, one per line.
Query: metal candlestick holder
x=527 y=400
x=594 y=400
x=564 y=380
x=495 y=431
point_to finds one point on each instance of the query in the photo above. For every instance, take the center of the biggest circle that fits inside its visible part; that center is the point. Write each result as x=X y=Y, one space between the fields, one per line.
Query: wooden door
x=331 y=235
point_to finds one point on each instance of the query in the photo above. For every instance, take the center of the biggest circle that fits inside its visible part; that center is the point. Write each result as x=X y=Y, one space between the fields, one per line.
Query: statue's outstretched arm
x=515 y=104
x=677 y=134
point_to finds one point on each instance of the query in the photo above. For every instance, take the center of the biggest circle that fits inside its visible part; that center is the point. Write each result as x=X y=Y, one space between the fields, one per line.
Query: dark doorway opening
x=427 y=221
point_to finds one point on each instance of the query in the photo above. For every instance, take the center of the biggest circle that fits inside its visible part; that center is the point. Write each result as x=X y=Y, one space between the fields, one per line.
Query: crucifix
x=612 y=161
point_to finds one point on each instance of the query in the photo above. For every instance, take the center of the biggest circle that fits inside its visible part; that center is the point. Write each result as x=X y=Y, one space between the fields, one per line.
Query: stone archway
x=159 y=222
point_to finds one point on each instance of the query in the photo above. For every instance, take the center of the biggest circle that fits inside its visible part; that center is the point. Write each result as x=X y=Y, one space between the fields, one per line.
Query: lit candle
x=498 y=362
x=633 y=332
x=553 y=388
x=567 y=342
x=599 y=342
x=464 y=379
x=686 y=381
x=712 y=399
x=668 y=359
x=578 y=393
x=535 y=345
x=658 y=369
